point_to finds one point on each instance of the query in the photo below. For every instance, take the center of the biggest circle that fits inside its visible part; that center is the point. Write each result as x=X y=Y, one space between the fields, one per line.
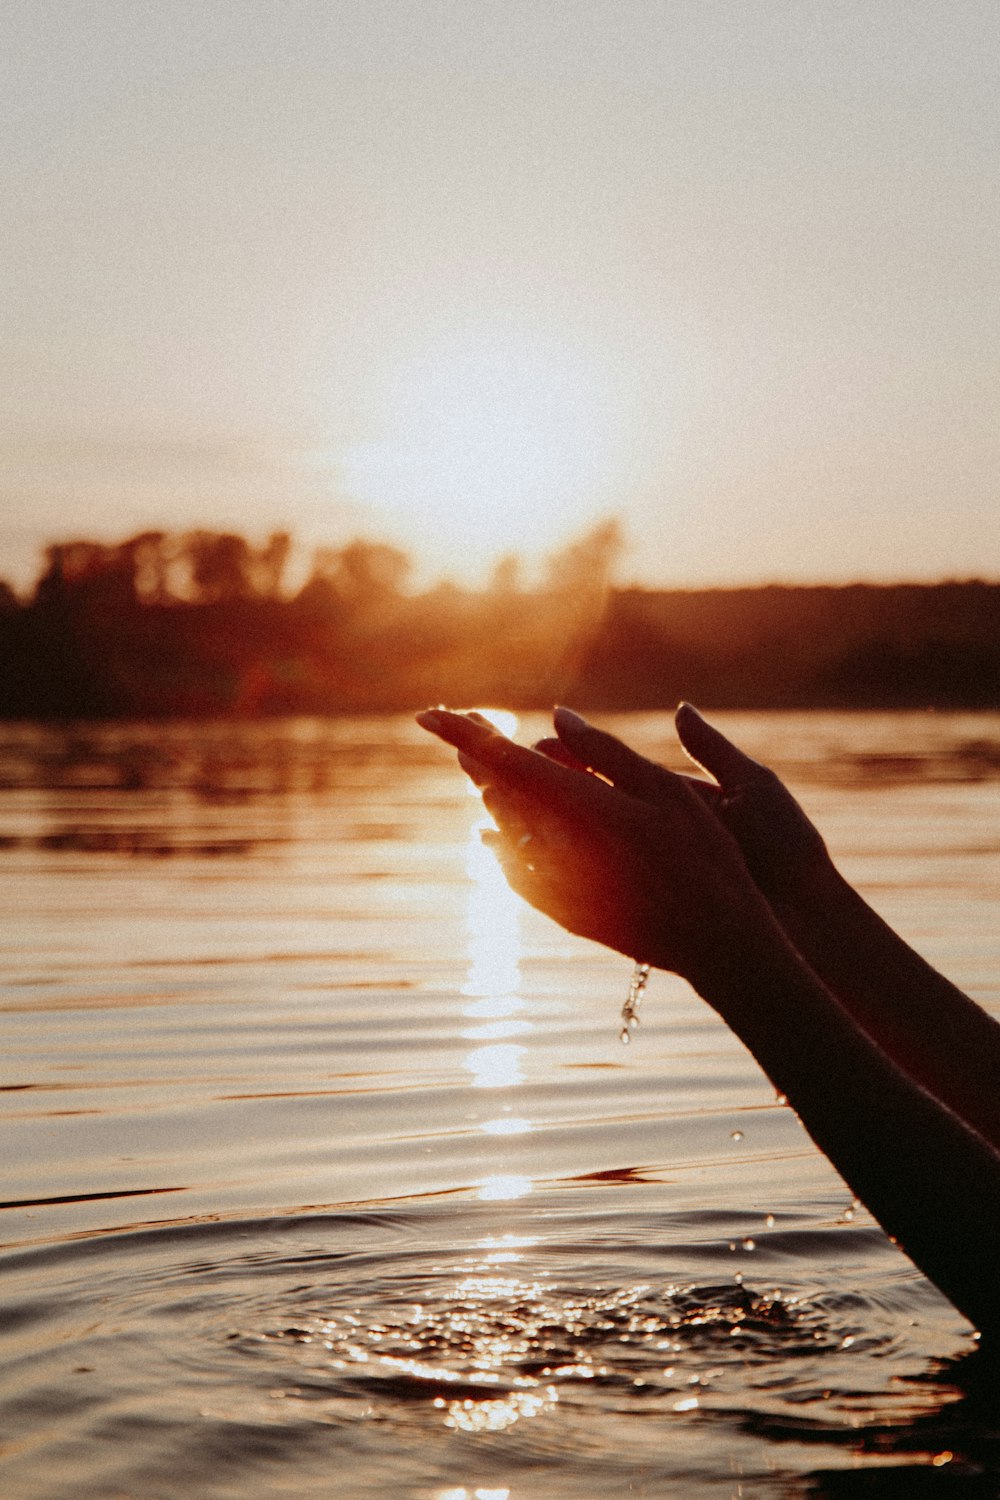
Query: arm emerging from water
x=904 y=1004
x=729 y=885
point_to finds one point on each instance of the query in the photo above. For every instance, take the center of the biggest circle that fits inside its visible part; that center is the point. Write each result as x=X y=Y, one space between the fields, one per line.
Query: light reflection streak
x=497 y=1415
x=495 y=1031
x=503 y=1186
x=493 y=1007
x=493 y=923
x=495 y=1067
x=493 y=984
x=506 y=1125
x=508 y=1241
x=464 y=1494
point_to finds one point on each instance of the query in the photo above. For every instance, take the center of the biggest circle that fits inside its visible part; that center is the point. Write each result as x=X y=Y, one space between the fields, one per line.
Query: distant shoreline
x=200 y=627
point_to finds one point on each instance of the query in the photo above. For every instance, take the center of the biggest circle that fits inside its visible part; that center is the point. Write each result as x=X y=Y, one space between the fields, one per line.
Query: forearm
x=904 y=1005
x=931 y=1181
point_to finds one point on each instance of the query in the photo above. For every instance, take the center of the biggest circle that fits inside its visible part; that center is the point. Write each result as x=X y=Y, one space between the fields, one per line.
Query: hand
x=783 y=850
x=657 y=878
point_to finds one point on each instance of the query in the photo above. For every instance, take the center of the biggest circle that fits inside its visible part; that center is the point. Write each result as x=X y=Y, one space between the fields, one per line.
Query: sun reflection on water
x=492 y=990
x=464 y=1494
x=495 y=1067
x=503 y=1186
x=506 y=1125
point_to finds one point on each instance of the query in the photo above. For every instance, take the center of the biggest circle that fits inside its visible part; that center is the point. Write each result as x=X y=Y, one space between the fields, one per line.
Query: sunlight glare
x=464 y=1494
x=491 y=440
x=501 y=1187
x=497 y=1066
x=492 y=1007
x=502 y=719
x=493 y=924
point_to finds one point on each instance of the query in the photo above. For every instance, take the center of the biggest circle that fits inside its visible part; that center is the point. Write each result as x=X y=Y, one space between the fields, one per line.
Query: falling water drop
x=630 y=1010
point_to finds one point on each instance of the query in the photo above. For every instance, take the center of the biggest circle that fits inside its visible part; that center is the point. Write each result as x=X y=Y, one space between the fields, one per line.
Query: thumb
x=709 y=749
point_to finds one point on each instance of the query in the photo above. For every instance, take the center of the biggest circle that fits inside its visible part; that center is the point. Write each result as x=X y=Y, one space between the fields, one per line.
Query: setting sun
x=492 y=441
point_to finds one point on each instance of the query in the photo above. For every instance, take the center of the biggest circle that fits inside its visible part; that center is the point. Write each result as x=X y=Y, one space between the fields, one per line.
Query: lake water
x=325 y=1172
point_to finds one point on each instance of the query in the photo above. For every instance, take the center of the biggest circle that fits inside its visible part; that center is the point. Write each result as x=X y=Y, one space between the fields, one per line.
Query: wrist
x=821 y=901
x=751 y=944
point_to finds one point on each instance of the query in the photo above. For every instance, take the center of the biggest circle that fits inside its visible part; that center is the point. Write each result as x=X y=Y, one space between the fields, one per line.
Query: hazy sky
x=468 y=275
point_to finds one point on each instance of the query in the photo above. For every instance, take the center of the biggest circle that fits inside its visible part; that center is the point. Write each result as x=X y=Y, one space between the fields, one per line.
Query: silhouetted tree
x=218 y=566
x=268 y=563
x=151 y=557
x=357 y=580
x=586 y=565
x=505 y=579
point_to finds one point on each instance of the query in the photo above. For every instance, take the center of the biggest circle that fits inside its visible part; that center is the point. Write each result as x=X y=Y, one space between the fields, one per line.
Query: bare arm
x=903 y=1003
x=931 y=1181
x=666 y=883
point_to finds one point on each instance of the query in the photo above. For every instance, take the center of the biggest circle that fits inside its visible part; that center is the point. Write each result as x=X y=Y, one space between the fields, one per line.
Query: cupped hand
x=657 y=878
x=783 y=850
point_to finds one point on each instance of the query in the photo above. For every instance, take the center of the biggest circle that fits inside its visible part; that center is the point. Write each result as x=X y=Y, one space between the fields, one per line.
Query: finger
x=518 y=770
x=514 y=859
x=512 y=814
x=456 y=729
x=707 y=791
x=557 y=751
x=710 y=749
x=609 y=757
x=474 y=769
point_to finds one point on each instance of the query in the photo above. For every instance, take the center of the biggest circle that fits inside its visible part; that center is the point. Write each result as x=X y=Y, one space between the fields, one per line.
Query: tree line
x=205 y=623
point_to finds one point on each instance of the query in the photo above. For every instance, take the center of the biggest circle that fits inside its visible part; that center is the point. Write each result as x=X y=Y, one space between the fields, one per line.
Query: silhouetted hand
x=783 y=850
x=655 y=876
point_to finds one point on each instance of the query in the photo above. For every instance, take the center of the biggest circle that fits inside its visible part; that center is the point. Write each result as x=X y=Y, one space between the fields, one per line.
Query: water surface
x=325 y=1172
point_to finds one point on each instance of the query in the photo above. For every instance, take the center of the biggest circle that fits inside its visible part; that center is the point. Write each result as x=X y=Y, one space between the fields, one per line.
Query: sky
x=468 y=276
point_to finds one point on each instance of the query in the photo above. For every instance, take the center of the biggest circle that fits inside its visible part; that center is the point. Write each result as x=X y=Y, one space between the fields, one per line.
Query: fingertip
x=554 y=749
x=568 y=722
x=696 y=735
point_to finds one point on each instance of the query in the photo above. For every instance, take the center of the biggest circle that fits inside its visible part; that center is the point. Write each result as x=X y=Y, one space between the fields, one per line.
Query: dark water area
x=324 y=1170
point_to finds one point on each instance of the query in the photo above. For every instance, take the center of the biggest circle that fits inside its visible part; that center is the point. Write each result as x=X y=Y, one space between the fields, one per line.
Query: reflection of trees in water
x=219 y=789
x=201 y=624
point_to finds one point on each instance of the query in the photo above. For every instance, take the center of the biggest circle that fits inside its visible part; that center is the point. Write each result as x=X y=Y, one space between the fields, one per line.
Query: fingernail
x=565 y=718
x=429 y=720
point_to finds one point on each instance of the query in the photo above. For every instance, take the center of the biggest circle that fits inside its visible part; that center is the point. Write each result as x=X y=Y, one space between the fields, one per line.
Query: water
x=324 y=1171
x=630 y=1010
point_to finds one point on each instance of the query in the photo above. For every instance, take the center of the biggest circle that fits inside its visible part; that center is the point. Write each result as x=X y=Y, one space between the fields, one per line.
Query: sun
x=489 y=442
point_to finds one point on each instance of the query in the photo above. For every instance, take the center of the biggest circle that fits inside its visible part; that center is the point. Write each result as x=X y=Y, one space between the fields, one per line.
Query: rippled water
x=325 y=1173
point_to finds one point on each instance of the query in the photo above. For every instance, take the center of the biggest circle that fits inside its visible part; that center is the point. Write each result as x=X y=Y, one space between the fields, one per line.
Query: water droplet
x=630 y=1010
x=781 y=1098
x=769 y=1221
x=749 y=1244
x=736 y=1135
